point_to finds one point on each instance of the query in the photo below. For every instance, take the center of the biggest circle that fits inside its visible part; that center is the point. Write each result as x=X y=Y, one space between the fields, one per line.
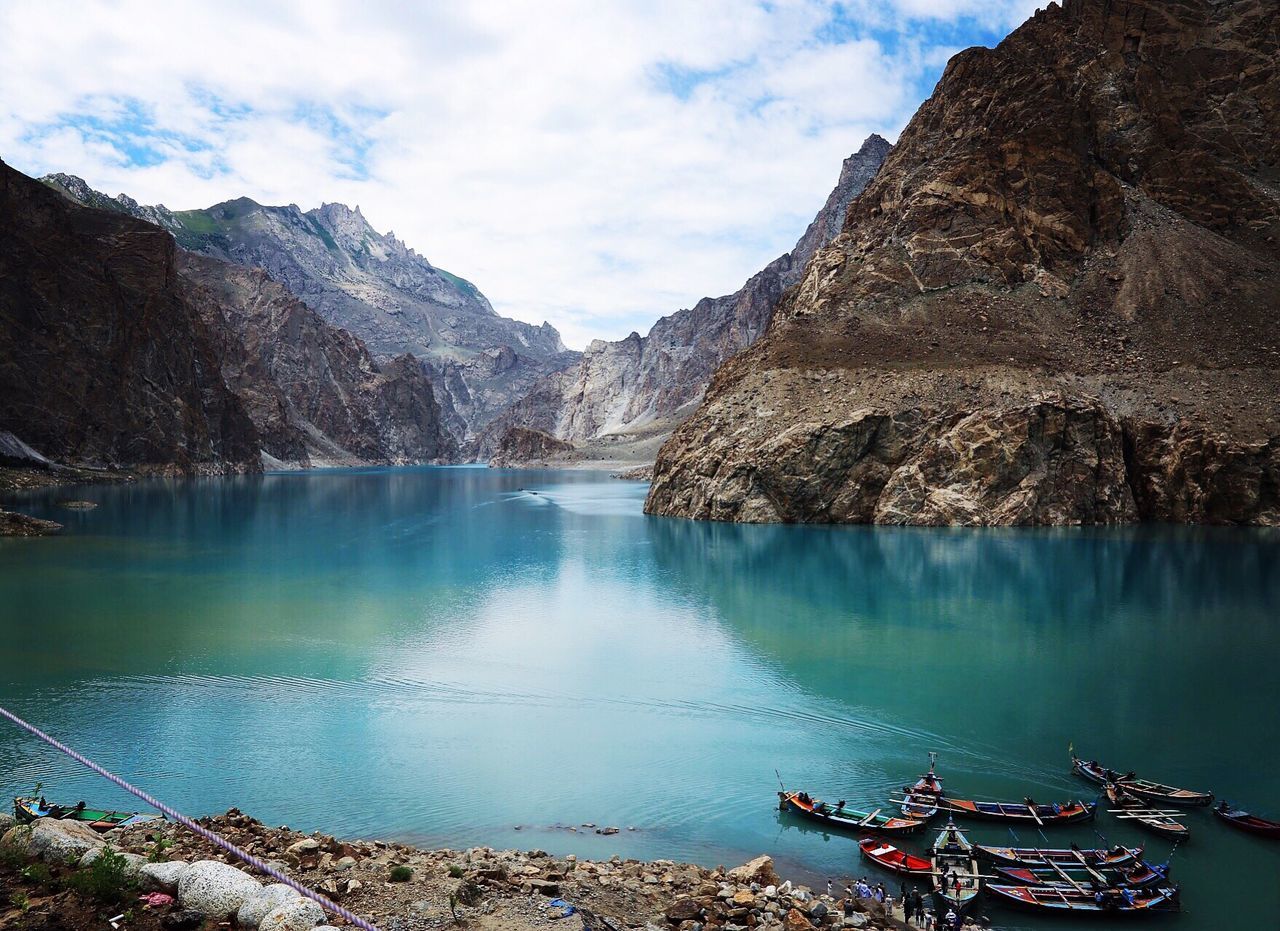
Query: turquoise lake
x=440 y=655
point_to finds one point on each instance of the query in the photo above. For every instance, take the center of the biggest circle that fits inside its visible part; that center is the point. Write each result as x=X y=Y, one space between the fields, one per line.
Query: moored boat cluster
x=1070 y=881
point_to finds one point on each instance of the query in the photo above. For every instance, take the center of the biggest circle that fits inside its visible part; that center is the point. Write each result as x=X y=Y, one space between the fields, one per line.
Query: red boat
x=891 y=858
x=1247 y=822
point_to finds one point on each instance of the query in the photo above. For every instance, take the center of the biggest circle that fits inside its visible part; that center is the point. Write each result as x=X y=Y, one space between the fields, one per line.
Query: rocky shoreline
x=177 y=880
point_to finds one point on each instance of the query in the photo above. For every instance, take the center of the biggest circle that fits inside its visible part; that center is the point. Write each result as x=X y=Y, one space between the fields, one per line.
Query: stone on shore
x=215 y=889
x=161 y=877
x=6 y=822
x=795 y=921
x=759 y=870
x=56 y=841
x=302 y=915
x=260 y=904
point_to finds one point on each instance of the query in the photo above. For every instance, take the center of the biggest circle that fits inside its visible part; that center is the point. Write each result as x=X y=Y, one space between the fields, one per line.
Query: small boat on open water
x=891 y=858
x=957 y=881
x=1238 y=818
x=841 y=816
x=1056 y=900
x=1094 y=858
x=1026 y=812
x=1141 y=812
x=1145 y=788
x=27 y=809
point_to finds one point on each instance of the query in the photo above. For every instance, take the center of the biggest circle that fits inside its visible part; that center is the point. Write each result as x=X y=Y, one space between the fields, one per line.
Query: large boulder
x=759 y=870
x=162 y=877
x=17 y=838
x=215 y=889
x=270 y=898
x=795 y=921
x=302 y=915
x=57 y=841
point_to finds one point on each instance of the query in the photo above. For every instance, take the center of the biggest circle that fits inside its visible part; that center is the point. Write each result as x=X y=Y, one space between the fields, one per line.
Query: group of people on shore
x=914 y=910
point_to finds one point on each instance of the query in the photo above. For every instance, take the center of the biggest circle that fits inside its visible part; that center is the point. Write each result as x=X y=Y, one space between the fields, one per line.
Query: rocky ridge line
x=372 y=285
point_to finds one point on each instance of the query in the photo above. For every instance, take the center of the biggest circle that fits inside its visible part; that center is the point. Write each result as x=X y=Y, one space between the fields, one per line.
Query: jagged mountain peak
x=371 y=284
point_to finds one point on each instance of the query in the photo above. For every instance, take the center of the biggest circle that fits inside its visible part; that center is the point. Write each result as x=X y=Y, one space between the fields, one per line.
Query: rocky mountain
x=313 y=391
x=1056 y=302
x=118 y=349
x=653 y=381
x=520 y=445
x=372 y=285
x=102 y=360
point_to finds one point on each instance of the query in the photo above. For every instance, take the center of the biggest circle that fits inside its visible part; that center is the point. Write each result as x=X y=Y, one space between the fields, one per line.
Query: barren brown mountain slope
x=1056 y=303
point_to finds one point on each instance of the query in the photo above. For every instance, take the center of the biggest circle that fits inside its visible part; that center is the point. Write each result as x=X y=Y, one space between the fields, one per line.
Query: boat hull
x=1143 y=788
x=848 y=820
x=1019 y=813
x=1051 y=900
x=27 y=810
x=1033 y=857
x=888 y=857
x=1047 y=876
x=1252 y=824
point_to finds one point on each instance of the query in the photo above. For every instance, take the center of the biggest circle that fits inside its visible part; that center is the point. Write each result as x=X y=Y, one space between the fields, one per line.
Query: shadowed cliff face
x=314 y=392
x=1055 y=303
x=622 y=387
x=102 y=361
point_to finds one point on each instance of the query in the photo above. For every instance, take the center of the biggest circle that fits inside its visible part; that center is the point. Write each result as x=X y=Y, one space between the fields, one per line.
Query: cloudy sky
x=597 y=164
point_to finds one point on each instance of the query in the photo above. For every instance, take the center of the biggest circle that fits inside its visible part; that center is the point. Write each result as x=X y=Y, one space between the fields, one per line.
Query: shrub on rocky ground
x=107 y=879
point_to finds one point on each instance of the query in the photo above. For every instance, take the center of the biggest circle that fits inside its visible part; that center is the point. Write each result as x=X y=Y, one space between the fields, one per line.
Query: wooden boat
x=957 y=881
x=891 y=858
x=1140 y=875
x=27 y=810
x=1027 y=812
x=1095 y=858
x=1056 y=900
x=1145 y=788
x=921 y=802
x=1141 y=812
x=841 y=816
x=1247 y=822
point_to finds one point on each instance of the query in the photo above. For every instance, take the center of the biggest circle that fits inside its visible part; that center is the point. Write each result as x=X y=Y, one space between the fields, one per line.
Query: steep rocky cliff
x=520 y=445
x=102 y=361
x=313 y=391
x=622 y=387
x=1056 y=303
x=372 y=285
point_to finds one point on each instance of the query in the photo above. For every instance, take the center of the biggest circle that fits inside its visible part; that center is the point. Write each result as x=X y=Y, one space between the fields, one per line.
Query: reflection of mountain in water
x=985 y=634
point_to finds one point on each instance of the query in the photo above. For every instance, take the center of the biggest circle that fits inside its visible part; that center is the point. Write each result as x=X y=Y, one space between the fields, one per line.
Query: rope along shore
x=210 y=836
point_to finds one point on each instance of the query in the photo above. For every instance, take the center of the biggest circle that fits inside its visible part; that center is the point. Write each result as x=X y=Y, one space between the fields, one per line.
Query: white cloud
x=594 y=164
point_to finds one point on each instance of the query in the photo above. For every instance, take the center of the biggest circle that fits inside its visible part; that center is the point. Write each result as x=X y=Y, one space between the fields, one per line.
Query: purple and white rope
x=190 y=825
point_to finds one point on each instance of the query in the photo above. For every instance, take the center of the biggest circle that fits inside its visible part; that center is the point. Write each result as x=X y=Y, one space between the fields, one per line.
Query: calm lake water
x=442 y=655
